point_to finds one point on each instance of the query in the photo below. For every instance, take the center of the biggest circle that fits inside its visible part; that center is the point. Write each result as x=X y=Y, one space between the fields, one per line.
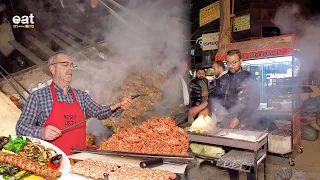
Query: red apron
x=63 y=115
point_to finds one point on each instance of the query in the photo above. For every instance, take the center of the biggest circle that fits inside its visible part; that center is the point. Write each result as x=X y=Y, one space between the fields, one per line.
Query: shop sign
x=241 y=23
x=261 y=48
x=262 y=54
x=199 y=41
x=210 y=41
x=209 y=13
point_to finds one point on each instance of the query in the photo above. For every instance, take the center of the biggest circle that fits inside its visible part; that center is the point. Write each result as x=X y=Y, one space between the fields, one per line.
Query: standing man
x=177 y=96
x=199 y=90
x=238 y=93
x=219 y=69
x=58 y=106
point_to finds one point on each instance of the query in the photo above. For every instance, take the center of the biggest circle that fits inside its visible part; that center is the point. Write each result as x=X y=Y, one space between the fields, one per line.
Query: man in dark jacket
x=198 y=90
x=238 y=93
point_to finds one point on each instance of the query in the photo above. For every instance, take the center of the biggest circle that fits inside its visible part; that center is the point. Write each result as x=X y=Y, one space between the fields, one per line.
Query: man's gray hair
x=53 y=58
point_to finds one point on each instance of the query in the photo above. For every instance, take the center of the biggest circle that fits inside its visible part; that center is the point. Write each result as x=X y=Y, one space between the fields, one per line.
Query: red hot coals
x=154 y=136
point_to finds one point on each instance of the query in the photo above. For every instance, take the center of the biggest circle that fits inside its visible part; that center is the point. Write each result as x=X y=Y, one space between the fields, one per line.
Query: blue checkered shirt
x=39 y=104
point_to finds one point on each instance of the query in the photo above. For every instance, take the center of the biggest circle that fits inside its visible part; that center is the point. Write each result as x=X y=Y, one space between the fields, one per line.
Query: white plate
x=65 y=166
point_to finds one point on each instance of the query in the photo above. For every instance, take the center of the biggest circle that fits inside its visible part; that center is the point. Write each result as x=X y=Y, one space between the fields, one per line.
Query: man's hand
x=193 y=111
x=204 y=94
x=234 y=123
x=204 y=112
x=197 y=109
x=94 y=3
x=50 y=133
x=124 y=105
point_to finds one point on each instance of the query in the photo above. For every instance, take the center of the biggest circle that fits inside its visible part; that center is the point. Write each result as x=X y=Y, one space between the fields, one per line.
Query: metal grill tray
x=238 y=160
x=235 y=134
x=166 y=158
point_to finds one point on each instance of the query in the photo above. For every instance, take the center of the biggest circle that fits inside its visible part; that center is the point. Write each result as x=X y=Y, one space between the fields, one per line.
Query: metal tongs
x=70 y=127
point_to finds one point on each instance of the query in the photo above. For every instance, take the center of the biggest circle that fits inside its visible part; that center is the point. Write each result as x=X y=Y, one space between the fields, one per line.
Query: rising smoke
x=152 y=28
x=150 y=37
x=290 y=20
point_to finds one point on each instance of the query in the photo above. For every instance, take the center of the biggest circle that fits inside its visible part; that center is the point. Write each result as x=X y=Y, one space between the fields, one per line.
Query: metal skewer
x=126 y=10
x=81 y=122
x=13 y=86
x=117 y=15
x=15 y=80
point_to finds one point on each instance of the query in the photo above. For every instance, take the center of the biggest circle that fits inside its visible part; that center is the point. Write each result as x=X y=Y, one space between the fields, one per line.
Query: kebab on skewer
x=100 y=170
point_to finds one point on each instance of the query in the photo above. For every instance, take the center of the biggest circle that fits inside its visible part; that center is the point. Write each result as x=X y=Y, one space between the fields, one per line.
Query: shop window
x=208 y=59
x=198 y=60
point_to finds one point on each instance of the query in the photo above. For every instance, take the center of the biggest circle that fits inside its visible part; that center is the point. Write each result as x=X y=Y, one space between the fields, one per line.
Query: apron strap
x=54 y=95
x=53 y=92
x=73 y=96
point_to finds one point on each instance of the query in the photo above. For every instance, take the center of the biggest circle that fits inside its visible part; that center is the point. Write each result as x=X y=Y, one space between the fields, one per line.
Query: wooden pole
x=225 y=23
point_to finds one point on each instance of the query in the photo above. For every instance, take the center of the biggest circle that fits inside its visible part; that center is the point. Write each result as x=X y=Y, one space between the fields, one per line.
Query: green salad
x=16 y=145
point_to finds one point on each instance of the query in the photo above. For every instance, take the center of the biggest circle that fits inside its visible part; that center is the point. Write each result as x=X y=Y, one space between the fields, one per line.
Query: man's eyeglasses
x=232 y=63
x=65 y=64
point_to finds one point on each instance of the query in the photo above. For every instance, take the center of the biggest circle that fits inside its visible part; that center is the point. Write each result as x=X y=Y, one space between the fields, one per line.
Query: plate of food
x=29 y=158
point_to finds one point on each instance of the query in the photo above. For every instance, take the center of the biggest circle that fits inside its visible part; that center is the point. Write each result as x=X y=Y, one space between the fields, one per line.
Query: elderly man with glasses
x=58 y=106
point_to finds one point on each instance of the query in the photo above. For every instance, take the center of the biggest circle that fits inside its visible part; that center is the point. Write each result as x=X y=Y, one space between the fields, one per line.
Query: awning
x=260 y=48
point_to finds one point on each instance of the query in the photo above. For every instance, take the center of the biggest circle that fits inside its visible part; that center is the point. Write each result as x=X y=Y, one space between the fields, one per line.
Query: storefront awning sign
x=210 y=41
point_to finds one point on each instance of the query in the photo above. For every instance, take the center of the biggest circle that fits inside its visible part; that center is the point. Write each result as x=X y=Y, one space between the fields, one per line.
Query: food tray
x=242 y=135
x=282 y=124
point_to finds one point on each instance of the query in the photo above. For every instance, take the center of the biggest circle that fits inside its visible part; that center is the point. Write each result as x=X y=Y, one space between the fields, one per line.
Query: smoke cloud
x=290 y=20
x=151 y=38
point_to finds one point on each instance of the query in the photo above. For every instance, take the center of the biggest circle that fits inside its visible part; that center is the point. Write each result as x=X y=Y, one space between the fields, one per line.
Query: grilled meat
x=3 y=141
x=128 y=91
x=126 y=172
x=98 y=170
x=147 y=89
x=138 y=81
x=93 y=169
x=154 y=136
x=29 y=165
x=118 y=123
x=149 y=75
x=90 y=139
x=153 y=77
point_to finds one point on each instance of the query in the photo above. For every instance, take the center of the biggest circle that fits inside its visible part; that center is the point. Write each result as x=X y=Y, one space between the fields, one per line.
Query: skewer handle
x=151 y=163
x=70 y=127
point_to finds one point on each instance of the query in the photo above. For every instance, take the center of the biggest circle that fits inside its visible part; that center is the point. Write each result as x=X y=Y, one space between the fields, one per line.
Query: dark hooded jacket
x=239 y=94
x=195 y=92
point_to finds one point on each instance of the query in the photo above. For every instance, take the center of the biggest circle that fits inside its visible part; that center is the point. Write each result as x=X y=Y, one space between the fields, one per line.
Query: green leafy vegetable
x=5 y=177
x=16 y=145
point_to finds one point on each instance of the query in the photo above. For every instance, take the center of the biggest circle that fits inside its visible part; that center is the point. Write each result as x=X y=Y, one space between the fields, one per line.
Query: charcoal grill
x=239 y=160
x=251 y=148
